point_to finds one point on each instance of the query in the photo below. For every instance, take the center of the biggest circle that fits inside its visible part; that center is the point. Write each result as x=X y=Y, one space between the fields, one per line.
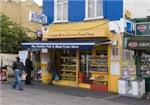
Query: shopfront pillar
x=44 y=64
x=77 y=65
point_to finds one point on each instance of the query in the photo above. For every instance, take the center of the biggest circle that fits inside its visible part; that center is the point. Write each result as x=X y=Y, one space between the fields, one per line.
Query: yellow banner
x=97 y=28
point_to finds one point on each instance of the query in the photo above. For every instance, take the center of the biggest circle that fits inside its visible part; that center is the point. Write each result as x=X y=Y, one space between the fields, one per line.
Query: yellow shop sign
x=89 y=29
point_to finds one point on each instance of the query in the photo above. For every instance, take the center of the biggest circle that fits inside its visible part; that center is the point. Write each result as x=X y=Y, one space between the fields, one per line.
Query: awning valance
x=76 y=44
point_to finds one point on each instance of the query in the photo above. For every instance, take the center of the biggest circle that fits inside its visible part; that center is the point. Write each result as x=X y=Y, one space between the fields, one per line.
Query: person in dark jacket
x=18 y=68
x=29 y=69
x=52 y=68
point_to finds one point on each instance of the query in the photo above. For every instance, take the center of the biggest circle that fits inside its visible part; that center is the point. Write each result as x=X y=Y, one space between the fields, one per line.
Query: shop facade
x=91 y=66
x=141 y=47
x=87 y=57
x=136 y=56
x=88 y=54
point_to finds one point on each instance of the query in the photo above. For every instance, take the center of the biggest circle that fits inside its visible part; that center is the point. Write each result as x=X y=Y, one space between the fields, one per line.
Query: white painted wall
x=138 y=8
x=117 y=26
x=8 y=59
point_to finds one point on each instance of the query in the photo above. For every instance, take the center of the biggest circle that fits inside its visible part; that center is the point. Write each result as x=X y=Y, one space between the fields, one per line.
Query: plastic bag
x=56 y=77
x=23 y=77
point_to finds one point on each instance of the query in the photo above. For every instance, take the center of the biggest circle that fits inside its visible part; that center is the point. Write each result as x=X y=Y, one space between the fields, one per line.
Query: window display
x=98 y=65
x=145 y=65
x=68 y=66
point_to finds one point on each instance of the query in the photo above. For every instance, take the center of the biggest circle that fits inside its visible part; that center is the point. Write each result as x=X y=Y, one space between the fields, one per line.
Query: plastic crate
x=97 y=87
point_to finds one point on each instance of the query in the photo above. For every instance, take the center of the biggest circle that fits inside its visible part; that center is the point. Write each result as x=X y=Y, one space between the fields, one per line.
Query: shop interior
x=88 y=66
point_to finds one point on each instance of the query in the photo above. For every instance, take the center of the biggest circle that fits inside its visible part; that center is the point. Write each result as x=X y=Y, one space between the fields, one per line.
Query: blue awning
x=74 y=44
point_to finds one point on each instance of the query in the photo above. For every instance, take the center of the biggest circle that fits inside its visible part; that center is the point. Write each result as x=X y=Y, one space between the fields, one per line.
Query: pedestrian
x=18 y=68
x=29 y=69
x=52 y=68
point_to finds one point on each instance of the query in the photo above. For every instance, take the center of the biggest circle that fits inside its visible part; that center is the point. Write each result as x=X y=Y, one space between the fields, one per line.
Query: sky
x=39 y=2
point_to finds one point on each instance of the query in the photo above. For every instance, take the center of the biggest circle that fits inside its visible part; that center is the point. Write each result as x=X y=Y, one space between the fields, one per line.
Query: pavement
x=41 y=94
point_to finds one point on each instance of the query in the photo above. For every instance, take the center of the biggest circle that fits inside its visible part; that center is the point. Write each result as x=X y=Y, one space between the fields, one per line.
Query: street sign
x=37 y=17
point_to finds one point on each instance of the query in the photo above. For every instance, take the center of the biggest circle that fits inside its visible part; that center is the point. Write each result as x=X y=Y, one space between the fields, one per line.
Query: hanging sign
x=143 y=29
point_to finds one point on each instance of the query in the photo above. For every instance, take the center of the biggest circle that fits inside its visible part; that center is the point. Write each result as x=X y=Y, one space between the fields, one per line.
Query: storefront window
x=94 y=9
x=61 y=11
x=84 y=55
x=68 y=65
x=129 y=62
x=84 y=73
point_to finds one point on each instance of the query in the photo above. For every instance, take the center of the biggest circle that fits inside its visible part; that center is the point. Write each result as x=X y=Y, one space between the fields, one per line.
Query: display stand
x=145 y=65
x=145 y=72
x=68 y=68
x=99 y=70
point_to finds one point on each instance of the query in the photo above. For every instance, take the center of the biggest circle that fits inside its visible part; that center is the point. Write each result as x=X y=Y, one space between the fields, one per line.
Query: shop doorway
x=143 y=67
x=36 y=58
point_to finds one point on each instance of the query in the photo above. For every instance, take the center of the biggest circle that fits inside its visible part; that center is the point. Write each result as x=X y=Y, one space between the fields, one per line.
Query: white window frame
x=55 y=12
x=87 y=11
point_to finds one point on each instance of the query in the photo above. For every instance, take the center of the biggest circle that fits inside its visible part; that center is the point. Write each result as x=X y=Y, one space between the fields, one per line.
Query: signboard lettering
x=139 y=44
x=56 y=46
x=71 y=35
x=144 y=44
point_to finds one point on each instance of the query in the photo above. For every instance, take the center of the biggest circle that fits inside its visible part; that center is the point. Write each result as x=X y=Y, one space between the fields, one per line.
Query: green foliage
x=12 y=35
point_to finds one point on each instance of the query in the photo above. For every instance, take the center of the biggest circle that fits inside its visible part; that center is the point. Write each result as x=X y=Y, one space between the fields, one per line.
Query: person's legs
x=26 y=81
x=28 y=78
x=52 y=78
x=19 y=84
x=15 y=82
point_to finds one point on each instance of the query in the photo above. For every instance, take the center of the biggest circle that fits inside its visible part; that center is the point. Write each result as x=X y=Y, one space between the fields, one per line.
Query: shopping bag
x=23 y=77
x=56 y=77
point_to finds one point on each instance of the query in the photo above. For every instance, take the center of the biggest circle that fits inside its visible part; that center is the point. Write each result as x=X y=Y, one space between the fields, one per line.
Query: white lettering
x=58 y=46
x=143 y=44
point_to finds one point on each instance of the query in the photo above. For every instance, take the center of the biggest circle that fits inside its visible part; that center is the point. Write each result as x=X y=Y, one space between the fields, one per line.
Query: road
x=40 y=94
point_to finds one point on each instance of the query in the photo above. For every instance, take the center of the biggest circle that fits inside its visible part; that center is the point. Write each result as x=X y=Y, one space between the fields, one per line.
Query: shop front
x=141 y=47
x=88 y=55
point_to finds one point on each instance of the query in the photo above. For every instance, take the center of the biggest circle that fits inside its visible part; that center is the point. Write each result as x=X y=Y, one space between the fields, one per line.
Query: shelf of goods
x=145 y=71
x=68 y=68
x=145 y=66
x=98 y=63
x=99 y=72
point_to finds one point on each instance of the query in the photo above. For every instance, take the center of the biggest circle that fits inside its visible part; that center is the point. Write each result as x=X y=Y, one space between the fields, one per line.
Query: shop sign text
x=139 y=44
x=79 y=34
x=56 y=46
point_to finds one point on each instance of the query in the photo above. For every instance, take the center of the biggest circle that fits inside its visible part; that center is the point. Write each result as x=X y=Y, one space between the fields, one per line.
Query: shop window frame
x=95 y=12
x=62 y=11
